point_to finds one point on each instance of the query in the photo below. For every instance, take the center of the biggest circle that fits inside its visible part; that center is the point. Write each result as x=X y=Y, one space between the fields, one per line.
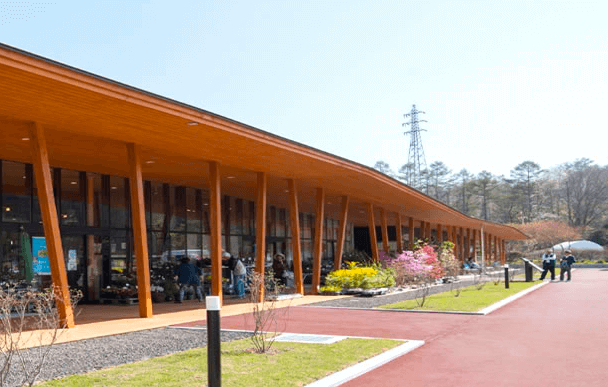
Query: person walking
x=566 y=265
x=548 y=265
x=187 y=275
x=238 y=273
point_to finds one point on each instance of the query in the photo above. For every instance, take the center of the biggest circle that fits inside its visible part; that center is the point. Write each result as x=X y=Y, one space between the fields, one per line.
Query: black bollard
x=214 y=368
x=506 y=276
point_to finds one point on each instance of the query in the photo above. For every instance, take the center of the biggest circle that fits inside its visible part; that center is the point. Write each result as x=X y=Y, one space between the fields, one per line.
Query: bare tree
x=266 y=314
x=585 y=189
x=28 y=318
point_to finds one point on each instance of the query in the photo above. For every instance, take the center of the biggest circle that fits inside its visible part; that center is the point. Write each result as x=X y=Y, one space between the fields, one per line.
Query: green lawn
x=291 y=364
x=469 y=300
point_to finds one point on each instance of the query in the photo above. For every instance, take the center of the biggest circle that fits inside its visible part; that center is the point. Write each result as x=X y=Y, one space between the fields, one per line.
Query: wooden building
x=117 y=181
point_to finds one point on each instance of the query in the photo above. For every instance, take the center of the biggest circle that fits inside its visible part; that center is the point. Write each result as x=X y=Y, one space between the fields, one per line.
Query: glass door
x=75 y=263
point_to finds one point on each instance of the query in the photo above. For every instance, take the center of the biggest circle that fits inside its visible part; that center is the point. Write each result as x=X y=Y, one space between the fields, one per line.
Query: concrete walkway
x=554 y=336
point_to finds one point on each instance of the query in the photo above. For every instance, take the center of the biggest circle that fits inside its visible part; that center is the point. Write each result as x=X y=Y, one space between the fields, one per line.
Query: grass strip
x=289 y=364
x=470 y=299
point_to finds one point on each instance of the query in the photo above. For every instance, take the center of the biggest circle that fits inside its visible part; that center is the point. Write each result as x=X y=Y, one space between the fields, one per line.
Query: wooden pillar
x=503 y=252
x=496 y=257
x=318 y=241
x=463 y=257
x=215 y=225
x=385 y=243
x=140 y=235
x=422 y=233
x=439 y=233
x=429 y=231
x=410 y=232
x=260 y=228
x=48 y=211
x=399 y=229
x=341 y=233
x=371 y=219
x=474 y=243
x=294 y=216
x=456 y=244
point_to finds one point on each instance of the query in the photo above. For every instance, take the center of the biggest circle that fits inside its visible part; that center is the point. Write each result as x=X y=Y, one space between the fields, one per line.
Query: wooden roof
x=88 y=120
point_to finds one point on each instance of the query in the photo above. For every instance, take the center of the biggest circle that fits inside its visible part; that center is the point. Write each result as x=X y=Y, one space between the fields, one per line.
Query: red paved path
x=555 y=336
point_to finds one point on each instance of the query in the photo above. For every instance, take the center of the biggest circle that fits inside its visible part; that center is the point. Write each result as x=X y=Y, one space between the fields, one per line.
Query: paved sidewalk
x=554 y=336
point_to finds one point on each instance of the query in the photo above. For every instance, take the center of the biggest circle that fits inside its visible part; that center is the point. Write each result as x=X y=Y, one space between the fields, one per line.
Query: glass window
x=194 y=243
x=236 y=216
x=121 y=267
x=119 y=203
x=205 y=200
x=246 y=218
x=235 y=245
x=271 y=221
x=72 y=199
x=281 y=223
x=157 y=206
x=194 y=210
x=16 y=190
x=178 y=246
x=177 y=201
x=94 y=209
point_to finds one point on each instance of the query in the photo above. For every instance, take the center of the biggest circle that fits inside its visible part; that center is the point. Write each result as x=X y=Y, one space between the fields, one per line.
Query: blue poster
x=41 y=257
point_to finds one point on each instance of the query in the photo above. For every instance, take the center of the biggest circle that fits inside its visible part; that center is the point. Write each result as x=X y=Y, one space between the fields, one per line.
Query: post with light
x=214 y=369
x=507 y=276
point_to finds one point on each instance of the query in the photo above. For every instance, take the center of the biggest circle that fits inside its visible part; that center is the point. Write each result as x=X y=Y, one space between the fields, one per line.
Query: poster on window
x=40 y=255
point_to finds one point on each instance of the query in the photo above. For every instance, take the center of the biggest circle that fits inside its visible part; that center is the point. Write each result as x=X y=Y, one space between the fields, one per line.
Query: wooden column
x=399 y=226
x=422 y=233
x=260 y=228
x=496 y=257
x=294 y=216
x=439 y=233
x=48 y=211
x=385 y=243
x=341 y=233
x=371 y=220
x=463 y=257
x=474 y=243
x=503 y=252
x=215 y=225
x=318 y=242
x=140 y=235
x=429 y=231
x=410 y=232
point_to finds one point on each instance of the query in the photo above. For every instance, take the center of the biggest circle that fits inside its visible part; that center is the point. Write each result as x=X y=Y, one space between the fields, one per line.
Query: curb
x=510 y=299
x=359 y=369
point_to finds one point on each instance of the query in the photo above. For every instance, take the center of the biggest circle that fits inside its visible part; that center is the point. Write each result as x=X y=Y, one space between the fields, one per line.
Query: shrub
x=417 y=266
x=367 y=277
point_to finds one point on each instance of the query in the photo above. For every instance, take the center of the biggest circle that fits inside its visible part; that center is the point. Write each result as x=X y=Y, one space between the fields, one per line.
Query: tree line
x=575 y=193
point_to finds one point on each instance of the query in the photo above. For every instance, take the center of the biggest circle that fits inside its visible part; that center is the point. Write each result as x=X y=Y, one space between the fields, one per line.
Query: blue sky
x=501 y=82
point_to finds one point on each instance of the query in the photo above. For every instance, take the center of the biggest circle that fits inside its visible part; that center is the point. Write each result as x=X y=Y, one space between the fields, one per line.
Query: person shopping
x=548 y=265
x=566 y=265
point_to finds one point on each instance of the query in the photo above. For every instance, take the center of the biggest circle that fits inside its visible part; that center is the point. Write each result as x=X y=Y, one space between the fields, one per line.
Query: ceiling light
x=229 y=177
x=25 y=138
x=150 y=162
x=113 y=187
x=73 y=182
x=192 y=123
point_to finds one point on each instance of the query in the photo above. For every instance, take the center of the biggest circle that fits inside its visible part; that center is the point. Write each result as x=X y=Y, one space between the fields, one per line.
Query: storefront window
x=119 y=204
x=16 y=192
x=194 y=210
x=236 y=216
x=72 y=199
x=177 y=205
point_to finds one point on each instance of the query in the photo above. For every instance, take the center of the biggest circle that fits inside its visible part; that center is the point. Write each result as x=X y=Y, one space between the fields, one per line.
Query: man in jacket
x=187 y=275
x=548 y=265
x=566 y=265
